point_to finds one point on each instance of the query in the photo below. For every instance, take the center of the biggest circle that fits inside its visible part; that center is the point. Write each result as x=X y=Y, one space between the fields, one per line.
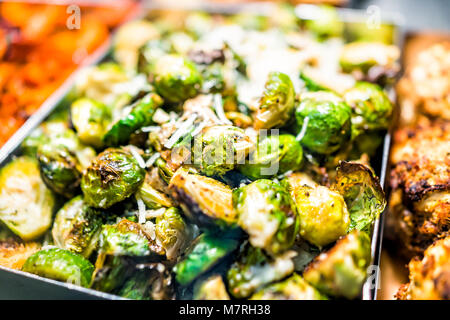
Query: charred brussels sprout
x=341 y=271
x=206 y=251
x=293 y=288
x=362 y=192
x=112 y=177
x=76 y=227
x=212 y=288
x=175 y=78
x=222 y=147
x=61 y=265
x=371 y=107
x=204 y=200
x=90 y=119
x=323 y=214
x=255 y=269
x=325 y=122
x=324 y=21
x=140 y=115
x=26 y=204
x=153 y=198
x=172 y=232
x=274 y=155
x=276 y=105
x=267 y=213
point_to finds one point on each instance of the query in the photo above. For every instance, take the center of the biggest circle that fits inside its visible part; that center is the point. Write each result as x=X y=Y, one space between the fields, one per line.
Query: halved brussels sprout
x=26 y=204
x=212 y=288
x=293 y=288
x=76 y=227
x=362 y=193
x=254 y=269
x=205 y=252
x=267 y=213
x=323 y=21
x=111 y=272
x=172 y=232
x=140 y=115
x=219 y=148
x=276 y=105
x=90 y=119
x=204 y=200
x=323 y=214
x=153 y=198
x=362 y=56
x=325 y=122
x=175 y=78
x=112 y=177
x=371 y=107
x=341 y=271
x=61 y=265
x=41 y=135
x=127 y=238
x=274 y=155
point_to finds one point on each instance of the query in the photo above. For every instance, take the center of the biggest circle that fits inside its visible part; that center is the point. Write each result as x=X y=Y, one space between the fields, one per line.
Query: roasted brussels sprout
x=219 y=148
x=41 y=135
x=204 y=200
x=341 y=271
x=90 y=119
x=111 y=272
x=371 y=107
x=128 y=238
x=274 y=155
x=112 y=177
x=76 y=227
x=172 y=232
x=267 y=213
x=323 y=214
x=323 y=21
x=153 y=198
x=325 y=122
x=293 y=288
x=61 y=265
x=175 y=78
x=140 y=115
x=362 y=193
x=213 y=78
x=276 y=105
x=254 y=269
x=26 y=204
x=206 y=251
x=212 y=288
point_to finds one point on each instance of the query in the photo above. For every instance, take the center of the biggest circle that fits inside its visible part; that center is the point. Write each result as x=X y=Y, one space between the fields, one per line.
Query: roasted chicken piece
x=429 y=277
x=420 y=179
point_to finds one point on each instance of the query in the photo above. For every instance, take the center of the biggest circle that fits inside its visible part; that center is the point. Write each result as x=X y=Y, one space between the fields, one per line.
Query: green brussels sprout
x=172 y=232
x=90 y=119
x=111 y=272
x=266 y=212
x=112 y=177
x=276 y=154
x=362 y=193
x=205 y=252
x=153 y=198
x=212 y=288
x=315 y=79
x=276 y=105
x=324 y=22
x=219 y=148
x=139 y=116
x=26 y=204
x=61 y=265
x=128 y=238
x=254 y=269
x=323 y=214
x=371 y=107
x=293 y=288
x=76 y=227
x=175 y=78
x=214 y=78
x=362 y=56
x=150 y=53
x=341 y=271
x=204 y=200
x=325 y=122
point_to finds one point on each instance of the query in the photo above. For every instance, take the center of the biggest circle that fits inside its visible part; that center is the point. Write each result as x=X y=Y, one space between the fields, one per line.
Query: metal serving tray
x=15 y=284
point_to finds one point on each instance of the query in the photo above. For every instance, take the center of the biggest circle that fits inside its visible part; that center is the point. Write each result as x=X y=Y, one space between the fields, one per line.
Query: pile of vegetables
x=179 y=171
